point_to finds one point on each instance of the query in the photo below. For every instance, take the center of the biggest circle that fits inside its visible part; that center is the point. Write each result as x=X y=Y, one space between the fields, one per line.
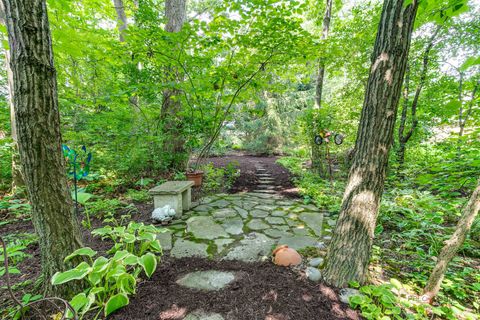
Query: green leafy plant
x=109 y=280
x=135 y=238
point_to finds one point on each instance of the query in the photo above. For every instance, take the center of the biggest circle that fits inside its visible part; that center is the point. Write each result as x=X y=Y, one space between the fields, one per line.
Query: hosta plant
x=135 y=238
x=110 y=281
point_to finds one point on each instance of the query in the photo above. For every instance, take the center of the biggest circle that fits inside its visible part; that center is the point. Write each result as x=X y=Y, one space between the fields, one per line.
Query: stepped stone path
x=247 y=226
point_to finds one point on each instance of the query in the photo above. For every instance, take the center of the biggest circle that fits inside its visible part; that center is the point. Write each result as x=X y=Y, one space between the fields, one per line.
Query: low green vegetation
x=418 y=213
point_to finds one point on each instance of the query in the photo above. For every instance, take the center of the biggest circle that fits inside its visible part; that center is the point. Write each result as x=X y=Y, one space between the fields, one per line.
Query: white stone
x=346 y=293
x=313 y=274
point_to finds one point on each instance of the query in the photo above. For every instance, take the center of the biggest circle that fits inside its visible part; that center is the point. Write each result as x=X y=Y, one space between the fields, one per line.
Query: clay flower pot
x=285 y=256
x=196 y=177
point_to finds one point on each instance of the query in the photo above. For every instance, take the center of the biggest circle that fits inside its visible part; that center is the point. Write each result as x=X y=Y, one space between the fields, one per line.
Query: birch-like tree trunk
x=349 y=251
x=174 y=144
x=121 y=19
x=38 y=127
x=318 y=157
x=452 y=246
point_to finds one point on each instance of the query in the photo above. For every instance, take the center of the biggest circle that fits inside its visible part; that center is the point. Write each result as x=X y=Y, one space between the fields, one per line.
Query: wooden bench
x=177 y=194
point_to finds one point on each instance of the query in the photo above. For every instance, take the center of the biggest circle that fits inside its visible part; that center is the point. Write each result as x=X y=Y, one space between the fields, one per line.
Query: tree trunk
x=39 y=140
x=452 y=245
x=121 y=19
x=318 y=157
x=349 y=252
x=174 y=144
x=17 y=178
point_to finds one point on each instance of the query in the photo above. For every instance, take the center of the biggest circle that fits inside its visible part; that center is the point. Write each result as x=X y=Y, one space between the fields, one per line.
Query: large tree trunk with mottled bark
x=38 y=127
x=318 y=157
x=452 y=246
x=174 y=144
x=349 y=251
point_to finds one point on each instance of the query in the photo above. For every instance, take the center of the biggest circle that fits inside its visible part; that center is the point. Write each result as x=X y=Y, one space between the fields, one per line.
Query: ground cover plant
x=348 y=130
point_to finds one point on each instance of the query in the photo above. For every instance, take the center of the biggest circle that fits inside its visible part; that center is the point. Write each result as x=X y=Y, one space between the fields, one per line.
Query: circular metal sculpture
x=318 y=140
x=338 y=138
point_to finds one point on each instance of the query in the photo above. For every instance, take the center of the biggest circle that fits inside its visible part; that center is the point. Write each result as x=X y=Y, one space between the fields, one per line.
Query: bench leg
x=174 y=200
x=187 y=199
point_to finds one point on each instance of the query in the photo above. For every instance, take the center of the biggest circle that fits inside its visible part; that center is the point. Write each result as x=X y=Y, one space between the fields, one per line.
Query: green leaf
x=73 y=274
x=149 y=263
x=82 y=197
x=81 y=252
x=116 y=302
x=397 y=284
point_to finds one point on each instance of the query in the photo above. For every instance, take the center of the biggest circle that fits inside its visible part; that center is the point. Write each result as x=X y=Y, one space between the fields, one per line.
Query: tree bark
x=349 y=252
x=121 y=19
x=17 y=178
x=318 y=157
x=452 y=245
x=39 y=141
x=174 y=144
x=403 y=137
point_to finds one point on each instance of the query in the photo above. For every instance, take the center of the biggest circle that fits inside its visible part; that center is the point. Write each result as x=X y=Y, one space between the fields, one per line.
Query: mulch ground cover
x=261 y=291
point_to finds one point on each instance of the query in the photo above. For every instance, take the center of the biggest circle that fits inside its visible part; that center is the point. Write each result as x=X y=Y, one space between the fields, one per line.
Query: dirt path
x=249 y=181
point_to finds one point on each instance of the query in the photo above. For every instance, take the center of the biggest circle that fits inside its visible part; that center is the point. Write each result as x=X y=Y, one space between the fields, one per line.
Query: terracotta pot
x=285 y=256
x=196 y=177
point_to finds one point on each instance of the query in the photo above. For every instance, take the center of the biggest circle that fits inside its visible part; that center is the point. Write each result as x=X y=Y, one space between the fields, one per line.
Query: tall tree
x=174 y=144
x=317 y=156
x=38 y=127
x=349 y=252
x=17 y=179
x=452 y=245
x=404 y=137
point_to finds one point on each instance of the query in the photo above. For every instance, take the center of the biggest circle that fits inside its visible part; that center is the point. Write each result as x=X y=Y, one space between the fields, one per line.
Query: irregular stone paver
x=313 y=220
x=219 y=203
x=202 y=207
x=298 y=242
x=165 y=239
x=275 y=233
x=257 y=224
x=224 y=213
x=242 y=212
x=202 y=315
x=205 y=228
x=259 y=213
x=211 y=280
x=279 y=213
x=252 y=248
x=222 y=243
x=275 y=220
x=184 y=248
x=233 y=226
x=217 y=226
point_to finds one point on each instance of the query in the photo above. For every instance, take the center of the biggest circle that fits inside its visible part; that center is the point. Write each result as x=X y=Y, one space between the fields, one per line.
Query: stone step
x=270 y=191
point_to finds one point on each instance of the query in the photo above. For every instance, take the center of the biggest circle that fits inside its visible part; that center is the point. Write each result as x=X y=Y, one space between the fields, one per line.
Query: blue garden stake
x=71 y=157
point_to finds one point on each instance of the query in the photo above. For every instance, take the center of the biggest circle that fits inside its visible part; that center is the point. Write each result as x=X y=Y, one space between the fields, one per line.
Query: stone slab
x=252 y=248
x=313 y=220
x=298 y=242
x=204 y=227
x=211 y=280
x=171 y=187
x=184 y=248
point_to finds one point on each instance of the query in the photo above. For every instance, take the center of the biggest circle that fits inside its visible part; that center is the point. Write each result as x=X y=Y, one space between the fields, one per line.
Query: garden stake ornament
x=324 y=136
x=78 y=166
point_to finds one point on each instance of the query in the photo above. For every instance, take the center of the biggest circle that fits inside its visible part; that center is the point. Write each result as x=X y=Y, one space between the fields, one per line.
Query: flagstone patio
x=245 y=226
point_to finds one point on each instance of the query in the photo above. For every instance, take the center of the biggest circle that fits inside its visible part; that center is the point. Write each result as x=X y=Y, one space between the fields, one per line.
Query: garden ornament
x=163 y=214
x=285 y=256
